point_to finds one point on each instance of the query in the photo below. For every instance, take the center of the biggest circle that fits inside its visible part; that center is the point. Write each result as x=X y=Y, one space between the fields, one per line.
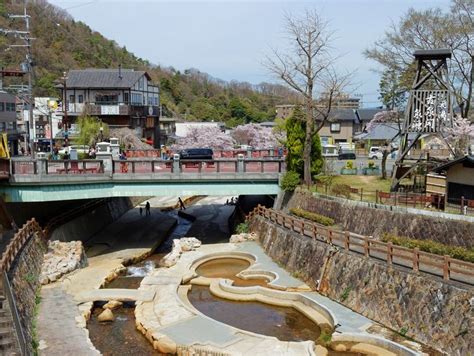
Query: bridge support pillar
x=240 y=163
x=42 y=162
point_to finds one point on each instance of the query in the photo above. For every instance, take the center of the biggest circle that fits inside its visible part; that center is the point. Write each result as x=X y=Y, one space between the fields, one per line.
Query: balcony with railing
x=109 y=108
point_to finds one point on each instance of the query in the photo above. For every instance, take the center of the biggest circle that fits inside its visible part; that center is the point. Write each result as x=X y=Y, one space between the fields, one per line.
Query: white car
x=78 y=148
x=375 y=153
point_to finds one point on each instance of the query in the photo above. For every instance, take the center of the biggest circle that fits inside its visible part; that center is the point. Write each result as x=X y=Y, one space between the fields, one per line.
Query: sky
x=230 y=39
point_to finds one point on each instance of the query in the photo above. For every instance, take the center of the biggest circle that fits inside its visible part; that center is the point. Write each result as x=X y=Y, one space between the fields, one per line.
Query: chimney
x=120 y=71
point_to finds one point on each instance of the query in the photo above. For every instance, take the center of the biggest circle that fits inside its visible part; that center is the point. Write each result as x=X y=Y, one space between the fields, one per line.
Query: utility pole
x=26 y=37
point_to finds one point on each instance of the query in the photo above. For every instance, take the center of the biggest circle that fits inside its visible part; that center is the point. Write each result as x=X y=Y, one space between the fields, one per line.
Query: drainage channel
x=121 y=336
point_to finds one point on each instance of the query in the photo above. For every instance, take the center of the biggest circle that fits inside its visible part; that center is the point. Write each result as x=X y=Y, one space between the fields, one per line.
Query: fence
x=418 y=261
x=88 y=166
x=199 y=166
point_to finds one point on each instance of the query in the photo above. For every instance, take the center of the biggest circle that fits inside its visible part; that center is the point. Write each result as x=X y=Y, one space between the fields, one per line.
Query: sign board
x=429 y=111
x=109 y=110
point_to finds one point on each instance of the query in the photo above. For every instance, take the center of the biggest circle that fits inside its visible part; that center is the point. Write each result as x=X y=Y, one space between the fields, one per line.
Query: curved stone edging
x=319 y=314
x=374 y=340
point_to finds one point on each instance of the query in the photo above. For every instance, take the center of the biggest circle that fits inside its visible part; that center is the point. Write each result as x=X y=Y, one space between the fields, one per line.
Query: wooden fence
x=18 y=241
x=418 y=261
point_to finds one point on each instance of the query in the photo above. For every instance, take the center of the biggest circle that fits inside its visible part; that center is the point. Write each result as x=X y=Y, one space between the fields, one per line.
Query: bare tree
x=431 y=29
x=305 y=67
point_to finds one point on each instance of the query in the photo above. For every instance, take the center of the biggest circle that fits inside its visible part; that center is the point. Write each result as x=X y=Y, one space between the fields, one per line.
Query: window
x=335 y=127
x=72 y=99
x=137 y=99
x=81 y=99
x=126 y=98
x=2 y=106
x=10 y=107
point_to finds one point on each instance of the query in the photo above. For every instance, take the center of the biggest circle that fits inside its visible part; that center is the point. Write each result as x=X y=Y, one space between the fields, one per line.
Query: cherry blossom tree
x=208 y=137
x=257 y=136
x=460 y=135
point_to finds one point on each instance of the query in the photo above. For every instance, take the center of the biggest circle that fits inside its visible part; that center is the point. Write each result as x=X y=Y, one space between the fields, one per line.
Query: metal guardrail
x=418 y=261
x=20 y=335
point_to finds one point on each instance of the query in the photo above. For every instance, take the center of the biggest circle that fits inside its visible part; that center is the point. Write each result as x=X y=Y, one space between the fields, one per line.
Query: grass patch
x=324 y=338
x=320 y=219
x=242 y=228
x=370 y=184
x=345 y=293
x=460 y=253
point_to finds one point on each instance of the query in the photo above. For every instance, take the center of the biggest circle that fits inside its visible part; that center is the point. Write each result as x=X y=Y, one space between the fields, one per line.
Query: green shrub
x=371 y=164
x=460 y=253
x=324 y=338
x=345 y=293
x=349 y=165
x=82 y=155
x=290 y=181
x=242 y=228
x=343 y=190
x=320 y=219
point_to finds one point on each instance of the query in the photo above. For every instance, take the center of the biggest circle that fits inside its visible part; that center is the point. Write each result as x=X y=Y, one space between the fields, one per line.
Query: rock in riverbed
x=106 y=315
x=179 y=246
x=62 y=258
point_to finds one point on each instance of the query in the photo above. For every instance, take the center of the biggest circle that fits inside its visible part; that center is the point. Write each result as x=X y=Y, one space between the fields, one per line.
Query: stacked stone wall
x=426 y=308
x=375 y=222
x=24 y=279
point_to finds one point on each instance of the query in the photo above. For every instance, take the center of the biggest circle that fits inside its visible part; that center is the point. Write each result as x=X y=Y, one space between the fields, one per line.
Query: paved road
x=361 y=163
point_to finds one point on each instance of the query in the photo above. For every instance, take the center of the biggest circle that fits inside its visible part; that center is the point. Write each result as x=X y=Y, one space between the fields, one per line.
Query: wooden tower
x=429 y=111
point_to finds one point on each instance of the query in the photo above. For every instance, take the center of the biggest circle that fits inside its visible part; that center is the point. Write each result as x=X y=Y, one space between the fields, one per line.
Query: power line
x=25 y=35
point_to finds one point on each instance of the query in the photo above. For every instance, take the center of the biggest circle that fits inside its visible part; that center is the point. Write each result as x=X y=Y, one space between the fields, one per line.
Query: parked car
x=78 y=148
x=329 y=151
x=375 y=153
x=196 y=153
x=346 y=155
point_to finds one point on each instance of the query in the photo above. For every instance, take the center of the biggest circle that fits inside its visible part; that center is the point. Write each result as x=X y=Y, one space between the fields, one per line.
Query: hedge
x=320 y=219
x=460 y=253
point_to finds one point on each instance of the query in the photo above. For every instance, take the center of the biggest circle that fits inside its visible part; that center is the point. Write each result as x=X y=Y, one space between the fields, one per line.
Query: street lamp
x=65 y=107
x=101 y=132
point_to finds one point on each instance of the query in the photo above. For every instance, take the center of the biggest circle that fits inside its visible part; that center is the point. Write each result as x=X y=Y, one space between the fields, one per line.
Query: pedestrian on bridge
x=147 y=208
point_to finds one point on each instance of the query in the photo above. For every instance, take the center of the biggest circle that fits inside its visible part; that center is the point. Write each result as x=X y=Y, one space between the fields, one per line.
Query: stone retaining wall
x=24 y=280
x=374 y=222
x=426 y=308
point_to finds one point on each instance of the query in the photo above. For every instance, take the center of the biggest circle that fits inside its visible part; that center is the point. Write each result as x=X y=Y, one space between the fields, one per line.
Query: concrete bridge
x=43 y=180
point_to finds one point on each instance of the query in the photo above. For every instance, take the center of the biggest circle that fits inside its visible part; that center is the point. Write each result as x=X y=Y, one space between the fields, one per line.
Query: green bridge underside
x=43 y=193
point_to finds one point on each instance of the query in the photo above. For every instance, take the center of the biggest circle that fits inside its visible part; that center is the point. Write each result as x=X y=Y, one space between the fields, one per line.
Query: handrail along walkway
x=418 y=261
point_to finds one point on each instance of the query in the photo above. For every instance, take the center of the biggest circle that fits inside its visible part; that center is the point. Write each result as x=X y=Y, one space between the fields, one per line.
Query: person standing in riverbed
x=147 y=208
x=181 y=204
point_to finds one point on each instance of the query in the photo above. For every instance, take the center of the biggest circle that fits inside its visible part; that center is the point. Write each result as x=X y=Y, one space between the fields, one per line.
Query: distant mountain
x=62 y=43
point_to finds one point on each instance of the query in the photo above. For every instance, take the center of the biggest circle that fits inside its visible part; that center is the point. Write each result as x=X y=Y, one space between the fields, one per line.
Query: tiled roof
x=103 y=78
x=342 y=115
x=365 y=115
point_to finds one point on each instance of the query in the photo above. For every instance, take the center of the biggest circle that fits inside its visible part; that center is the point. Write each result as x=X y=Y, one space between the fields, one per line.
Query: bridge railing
x=89 y=166
x=255 y=153
x=445 y=267
x=135 y=166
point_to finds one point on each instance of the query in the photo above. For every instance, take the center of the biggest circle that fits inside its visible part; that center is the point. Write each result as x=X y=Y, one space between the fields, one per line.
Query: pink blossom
x=204 y=137
x=256 y=136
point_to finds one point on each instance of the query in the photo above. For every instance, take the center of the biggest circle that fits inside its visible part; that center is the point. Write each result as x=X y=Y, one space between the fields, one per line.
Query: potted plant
x=371 y=169
x=349 y=168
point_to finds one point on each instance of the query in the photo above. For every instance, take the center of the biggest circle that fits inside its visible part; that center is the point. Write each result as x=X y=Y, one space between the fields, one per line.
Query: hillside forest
x=61 y=44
